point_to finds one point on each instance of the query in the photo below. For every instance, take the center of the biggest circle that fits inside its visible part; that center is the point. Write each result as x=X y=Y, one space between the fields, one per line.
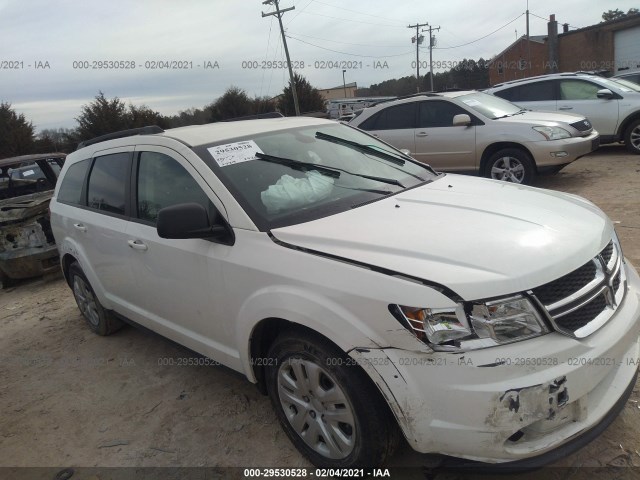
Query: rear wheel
x=326 y=405
x=632 y=137
x=511 y=165
x=99 y=320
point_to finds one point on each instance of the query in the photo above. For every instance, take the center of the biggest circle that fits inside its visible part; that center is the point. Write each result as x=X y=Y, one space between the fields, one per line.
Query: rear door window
x=530 y=92
x=401 y=117
x=392 y=118
x=108 y=180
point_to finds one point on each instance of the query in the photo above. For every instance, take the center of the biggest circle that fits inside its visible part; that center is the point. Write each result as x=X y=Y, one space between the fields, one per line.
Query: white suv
x=611 y=104
x=367 y=295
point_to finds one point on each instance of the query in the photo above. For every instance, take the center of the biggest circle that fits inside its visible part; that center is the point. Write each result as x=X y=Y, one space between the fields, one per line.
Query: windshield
x=621 y=84
x=489 y=105
x=292 y=176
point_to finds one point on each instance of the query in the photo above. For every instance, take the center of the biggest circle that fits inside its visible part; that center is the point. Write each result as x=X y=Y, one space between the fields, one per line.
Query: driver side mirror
x=461 y=120
x=190 y=220
x=605 y=93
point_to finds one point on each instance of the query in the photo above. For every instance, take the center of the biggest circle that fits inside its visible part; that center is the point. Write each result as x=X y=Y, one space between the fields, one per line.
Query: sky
x=55 y=56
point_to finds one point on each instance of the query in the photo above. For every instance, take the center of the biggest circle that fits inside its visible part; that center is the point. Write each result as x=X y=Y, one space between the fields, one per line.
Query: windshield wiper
x=361 y=147
x=299 y=165
x=323 y=169
x=506 y=115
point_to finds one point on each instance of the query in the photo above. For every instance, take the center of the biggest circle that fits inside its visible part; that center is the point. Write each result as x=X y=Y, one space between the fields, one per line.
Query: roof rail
x=149 y=130
x=255 y=117
x=411 y=95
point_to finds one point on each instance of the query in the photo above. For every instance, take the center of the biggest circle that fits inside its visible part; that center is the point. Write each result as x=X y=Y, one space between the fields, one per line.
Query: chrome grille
x=582 y=301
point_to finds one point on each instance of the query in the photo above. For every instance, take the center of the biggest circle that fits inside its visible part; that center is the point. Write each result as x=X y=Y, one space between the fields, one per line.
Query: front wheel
x=326 y=405
x=632 y=137
x=511 y=165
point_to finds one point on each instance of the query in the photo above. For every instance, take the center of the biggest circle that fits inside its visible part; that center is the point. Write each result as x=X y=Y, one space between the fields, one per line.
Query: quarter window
x=163 y=182
x=72 y=183
x=107 y=183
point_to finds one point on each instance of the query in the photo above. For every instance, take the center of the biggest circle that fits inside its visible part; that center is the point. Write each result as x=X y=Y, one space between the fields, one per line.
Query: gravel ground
x=72 y=399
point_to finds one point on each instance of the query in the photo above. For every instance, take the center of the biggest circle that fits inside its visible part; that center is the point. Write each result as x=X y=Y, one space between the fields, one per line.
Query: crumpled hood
x=478 y=237
x=26 y=206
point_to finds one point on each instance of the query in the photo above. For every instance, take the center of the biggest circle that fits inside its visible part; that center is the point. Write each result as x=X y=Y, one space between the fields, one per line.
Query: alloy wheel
x=508 y=169
x=634 y=137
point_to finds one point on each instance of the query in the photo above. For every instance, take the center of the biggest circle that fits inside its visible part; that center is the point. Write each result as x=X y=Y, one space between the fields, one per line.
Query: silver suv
x=470 y=131
x=611 y=104
x=632 y=75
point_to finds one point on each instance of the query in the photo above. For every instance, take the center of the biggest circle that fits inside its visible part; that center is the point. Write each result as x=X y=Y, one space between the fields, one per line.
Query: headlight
x=553 y=133
x=473 y=325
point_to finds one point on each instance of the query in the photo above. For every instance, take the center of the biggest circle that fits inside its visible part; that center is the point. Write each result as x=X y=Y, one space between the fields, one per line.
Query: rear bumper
x=30 y=262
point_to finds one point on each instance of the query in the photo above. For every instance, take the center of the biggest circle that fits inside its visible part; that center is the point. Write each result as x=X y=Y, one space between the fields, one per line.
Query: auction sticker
x=233 y=153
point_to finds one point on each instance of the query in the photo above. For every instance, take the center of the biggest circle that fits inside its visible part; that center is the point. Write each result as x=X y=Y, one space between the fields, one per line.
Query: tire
x=309 y=380
x=632 y=137
x=100 y=321
x=511 y=165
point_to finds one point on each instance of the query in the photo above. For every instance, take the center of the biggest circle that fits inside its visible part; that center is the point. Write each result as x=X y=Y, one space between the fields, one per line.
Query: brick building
x=613 y=46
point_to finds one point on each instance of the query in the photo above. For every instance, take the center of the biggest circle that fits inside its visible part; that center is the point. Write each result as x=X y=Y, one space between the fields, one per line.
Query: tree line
x=105 y=115
x=465 y=75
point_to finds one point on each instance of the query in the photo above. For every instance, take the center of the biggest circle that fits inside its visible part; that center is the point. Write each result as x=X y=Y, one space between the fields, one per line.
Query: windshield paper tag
x=233 y=153
x=28 y=173
x=472 y=102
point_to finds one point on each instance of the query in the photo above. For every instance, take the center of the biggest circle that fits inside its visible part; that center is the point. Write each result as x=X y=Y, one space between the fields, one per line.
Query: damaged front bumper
x=517 y=401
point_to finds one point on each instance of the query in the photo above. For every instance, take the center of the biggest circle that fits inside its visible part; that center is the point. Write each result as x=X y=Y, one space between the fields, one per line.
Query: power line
x=347 y=43
x=266 y=54
x=547 y=20
x=352 y=20
x=299 y=12
x=481 y=38
x=347 y=53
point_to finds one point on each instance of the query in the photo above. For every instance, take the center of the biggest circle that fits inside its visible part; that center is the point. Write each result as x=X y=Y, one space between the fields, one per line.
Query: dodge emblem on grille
x=587 y=124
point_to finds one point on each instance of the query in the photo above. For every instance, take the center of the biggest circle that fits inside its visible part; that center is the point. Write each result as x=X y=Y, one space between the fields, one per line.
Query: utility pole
x=431 y=45
x=417 y=27
x=344 y=85
x=528 y=41
x=279 y=13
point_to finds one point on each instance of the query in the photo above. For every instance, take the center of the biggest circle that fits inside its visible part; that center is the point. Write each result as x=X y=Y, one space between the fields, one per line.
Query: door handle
x=80 y=227
x=422 y=134
x=137 y=245
x=565 y=108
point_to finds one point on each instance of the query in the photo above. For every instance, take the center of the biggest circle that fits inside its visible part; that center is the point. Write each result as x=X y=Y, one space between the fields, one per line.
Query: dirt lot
x=69 y=398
